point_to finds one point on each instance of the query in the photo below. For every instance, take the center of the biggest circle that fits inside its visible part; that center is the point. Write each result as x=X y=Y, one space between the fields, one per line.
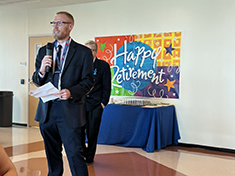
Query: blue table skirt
x=133 y=126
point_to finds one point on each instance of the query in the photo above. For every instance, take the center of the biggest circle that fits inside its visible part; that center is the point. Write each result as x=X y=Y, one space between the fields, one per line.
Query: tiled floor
x=25 y=148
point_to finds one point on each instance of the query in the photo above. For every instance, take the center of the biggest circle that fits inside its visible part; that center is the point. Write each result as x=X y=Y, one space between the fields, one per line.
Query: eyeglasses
x=59 y=23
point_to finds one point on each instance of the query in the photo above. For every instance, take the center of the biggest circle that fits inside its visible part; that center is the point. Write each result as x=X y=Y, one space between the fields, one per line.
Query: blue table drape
x=134 y=126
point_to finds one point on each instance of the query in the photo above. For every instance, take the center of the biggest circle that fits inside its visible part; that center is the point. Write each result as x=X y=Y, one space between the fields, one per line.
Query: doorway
x=34 y=44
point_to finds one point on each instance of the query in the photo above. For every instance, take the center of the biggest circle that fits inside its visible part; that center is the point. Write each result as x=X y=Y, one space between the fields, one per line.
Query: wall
x=205 y=108
x=13 y=51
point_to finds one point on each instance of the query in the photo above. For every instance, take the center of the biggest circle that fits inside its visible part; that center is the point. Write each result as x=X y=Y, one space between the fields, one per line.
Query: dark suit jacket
x=76 y=77
x=102 y=85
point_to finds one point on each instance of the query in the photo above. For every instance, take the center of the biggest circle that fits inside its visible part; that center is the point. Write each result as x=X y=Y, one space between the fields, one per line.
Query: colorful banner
x=146 y=65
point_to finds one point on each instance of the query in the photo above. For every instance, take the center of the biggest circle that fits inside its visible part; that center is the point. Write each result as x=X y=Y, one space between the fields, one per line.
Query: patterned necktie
x=57 y=65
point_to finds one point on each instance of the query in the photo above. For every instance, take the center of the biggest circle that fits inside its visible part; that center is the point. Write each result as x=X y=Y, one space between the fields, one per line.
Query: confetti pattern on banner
x=146 y=65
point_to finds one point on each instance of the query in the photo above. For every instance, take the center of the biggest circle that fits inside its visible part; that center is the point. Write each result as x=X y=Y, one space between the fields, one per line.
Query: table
x=134 y=126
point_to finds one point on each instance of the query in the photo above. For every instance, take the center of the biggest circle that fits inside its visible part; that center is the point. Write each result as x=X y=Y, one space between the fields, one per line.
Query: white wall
x=13 y=50
x=205 y=108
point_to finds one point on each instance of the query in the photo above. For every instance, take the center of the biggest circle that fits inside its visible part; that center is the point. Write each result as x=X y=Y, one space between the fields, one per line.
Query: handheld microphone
x=49 y=49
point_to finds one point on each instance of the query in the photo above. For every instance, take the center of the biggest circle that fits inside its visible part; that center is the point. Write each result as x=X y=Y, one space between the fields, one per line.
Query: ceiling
x=6 y=5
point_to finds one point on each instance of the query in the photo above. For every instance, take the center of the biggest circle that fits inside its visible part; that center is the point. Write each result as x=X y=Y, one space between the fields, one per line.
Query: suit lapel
x=95 y=64
x=70 y=55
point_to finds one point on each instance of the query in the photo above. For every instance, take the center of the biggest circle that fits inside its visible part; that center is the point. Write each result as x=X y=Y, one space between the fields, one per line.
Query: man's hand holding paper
x=64 y=94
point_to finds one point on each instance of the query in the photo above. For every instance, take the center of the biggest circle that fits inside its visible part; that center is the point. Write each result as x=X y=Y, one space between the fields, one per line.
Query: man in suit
x=96 y=100
x=62 y=121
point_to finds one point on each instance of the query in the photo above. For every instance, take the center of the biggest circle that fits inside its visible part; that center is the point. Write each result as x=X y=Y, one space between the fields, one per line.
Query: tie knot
x=59 y=47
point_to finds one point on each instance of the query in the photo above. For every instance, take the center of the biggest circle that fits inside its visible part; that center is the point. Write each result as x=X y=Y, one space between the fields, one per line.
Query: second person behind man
x=96 y=100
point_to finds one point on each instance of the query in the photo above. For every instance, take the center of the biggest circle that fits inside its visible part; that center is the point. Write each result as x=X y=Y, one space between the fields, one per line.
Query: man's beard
x=61 y=36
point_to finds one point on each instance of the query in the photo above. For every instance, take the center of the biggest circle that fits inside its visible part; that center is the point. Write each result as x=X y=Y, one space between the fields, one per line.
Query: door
x=34 y=44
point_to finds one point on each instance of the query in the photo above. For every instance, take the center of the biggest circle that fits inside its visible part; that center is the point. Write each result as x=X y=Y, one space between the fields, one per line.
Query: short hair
x=67 y=14
x=92 y=43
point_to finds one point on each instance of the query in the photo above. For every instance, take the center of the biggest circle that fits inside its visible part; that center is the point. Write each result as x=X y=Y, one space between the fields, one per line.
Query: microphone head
x=49 y=49
x=49 y=46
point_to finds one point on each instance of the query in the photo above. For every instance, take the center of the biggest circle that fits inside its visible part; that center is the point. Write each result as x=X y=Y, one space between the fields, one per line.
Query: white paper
x=45 y=92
